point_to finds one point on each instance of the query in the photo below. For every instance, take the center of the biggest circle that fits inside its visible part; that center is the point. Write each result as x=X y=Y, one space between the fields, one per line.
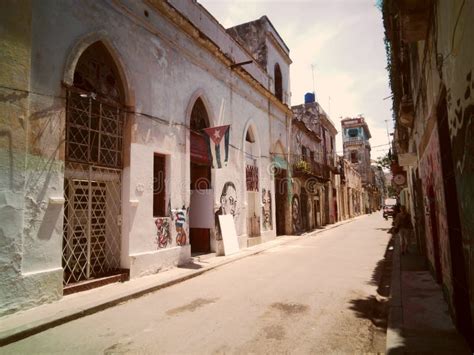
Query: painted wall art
x=228 y=205
x=180 y=217
x=461 y=127
x=267 y=209
x=163 y=235
x=295 y=214
x=251 y=175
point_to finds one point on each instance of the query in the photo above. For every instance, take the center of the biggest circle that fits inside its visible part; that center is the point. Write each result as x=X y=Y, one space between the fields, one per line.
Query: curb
x=26 y=330
x=394 y=340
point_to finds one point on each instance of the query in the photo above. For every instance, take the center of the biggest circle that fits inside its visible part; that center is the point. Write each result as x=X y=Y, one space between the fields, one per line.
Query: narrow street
x=318 y=294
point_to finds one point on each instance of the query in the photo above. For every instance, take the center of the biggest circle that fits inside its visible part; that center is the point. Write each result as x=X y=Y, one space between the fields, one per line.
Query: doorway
x=281 y=196
x=200 y=174
x=304 y=210
x=93 y=169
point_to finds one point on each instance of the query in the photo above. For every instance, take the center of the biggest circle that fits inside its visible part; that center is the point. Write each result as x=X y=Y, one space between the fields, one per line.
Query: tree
x=385 y=162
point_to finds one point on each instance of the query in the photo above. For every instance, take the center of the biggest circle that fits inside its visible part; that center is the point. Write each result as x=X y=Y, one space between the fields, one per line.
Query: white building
x=102 y=145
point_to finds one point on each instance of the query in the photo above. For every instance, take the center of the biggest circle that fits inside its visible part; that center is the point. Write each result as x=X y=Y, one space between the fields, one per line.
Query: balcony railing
x=353 y=139
x=303 y=165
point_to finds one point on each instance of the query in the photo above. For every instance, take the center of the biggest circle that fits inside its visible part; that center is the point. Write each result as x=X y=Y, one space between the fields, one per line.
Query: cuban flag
x=215 y=135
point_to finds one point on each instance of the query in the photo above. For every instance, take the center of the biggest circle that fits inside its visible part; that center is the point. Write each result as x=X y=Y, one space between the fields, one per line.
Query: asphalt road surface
x=317 y=294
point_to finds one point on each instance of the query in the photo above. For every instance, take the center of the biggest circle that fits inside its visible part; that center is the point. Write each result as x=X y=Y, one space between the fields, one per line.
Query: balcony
x=353 y=139
x=407 y=112
x=305 y=167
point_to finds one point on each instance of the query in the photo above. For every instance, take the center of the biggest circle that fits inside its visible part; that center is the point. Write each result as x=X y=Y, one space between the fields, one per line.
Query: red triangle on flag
x=216 y=133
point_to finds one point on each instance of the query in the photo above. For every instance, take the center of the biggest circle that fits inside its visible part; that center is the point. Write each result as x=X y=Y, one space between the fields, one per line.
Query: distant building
x=313 y=166
x=349 y=185
x=356 y=145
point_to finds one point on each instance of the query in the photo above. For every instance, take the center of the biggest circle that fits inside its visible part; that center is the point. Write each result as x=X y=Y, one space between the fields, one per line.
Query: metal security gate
x=92 y=188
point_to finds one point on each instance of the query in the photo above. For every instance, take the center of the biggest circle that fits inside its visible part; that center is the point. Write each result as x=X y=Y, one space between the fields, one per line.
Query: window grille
x=92 y=188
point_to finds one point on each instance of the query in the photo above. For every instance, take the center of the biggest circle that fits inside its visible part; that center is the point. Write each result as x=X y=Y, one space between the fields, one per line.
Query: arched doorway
x=200 y=168
x=93 y=168
x=252 y=160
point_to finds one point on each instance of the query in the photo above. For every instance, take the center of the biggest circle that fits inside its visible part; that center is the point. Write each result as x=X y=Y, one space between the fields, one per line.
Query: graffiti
x=163 y=235
x=251 y=174
x=267 y=209
x=180 y=220
x=228 y=205
x=295 y=213
x=436 y=227
x=461 y=127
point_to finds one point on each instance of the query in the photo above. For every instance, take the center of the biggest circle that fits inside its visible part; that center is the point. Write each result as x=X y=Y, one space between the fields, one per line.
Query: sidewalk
x=419 y=320
x=29 y=322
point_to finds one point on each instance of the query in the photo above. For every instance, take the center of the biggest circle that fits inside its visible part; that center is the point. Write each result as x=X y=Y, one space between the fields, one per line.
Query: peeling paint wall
x=30 y=172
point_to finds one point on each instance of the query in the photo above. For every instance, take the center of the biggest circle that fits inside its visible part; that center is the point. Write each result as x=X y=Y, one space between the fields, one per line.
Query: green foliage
x=385 y=162
x=391 y=191
x=303 y=166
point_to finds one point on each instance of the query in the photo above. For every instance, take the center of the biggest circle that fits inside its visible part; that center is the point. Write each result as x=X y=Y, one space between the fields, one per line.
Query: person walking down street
x=403 y=225
x=396 y=211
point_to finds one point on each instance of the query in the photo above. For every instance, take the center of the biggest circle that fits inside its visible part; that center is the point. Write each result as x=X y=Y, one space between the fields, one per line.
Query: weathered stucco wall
x=456 y=31
x=29 y=170
x=449 y=66
x=436 y=224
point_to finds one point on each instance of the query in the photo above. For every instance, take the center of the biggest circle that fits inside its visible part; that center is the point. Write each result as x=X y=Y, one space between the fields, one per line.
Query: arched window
x=199 y=117
x=94 y=118
x=200 y=161
x=251 y=158
x=278 y=83
x=249 y=137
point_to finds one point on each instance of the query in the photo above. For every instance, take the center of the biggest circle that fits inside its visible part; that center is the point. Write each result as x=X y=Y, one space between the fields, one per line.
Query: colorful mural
x=180 y=220
x=267 y=209
x=163 y=235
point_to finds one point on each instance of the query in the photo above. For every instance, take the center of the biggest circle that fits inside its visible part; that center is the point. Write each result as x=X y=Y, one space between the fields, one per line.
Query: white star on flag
x=216 y=134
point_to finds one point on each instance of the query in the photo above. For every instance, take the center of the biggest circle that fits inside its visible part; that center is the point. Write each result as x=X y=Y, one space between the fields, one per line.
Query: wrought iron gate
x=92 y=188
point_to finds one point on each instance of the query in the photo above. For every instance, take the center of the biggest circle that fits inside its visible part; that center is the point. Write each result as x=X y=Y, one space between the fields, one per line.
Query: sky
x=341 y=43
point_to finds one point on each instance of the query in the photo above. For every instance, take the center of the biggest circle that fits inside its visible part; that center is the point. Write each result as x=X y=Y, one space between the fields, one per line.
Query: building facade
x=105 y=170
x=431 y=58
x=356 y=146
x=350 y=191
x=313 y=163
